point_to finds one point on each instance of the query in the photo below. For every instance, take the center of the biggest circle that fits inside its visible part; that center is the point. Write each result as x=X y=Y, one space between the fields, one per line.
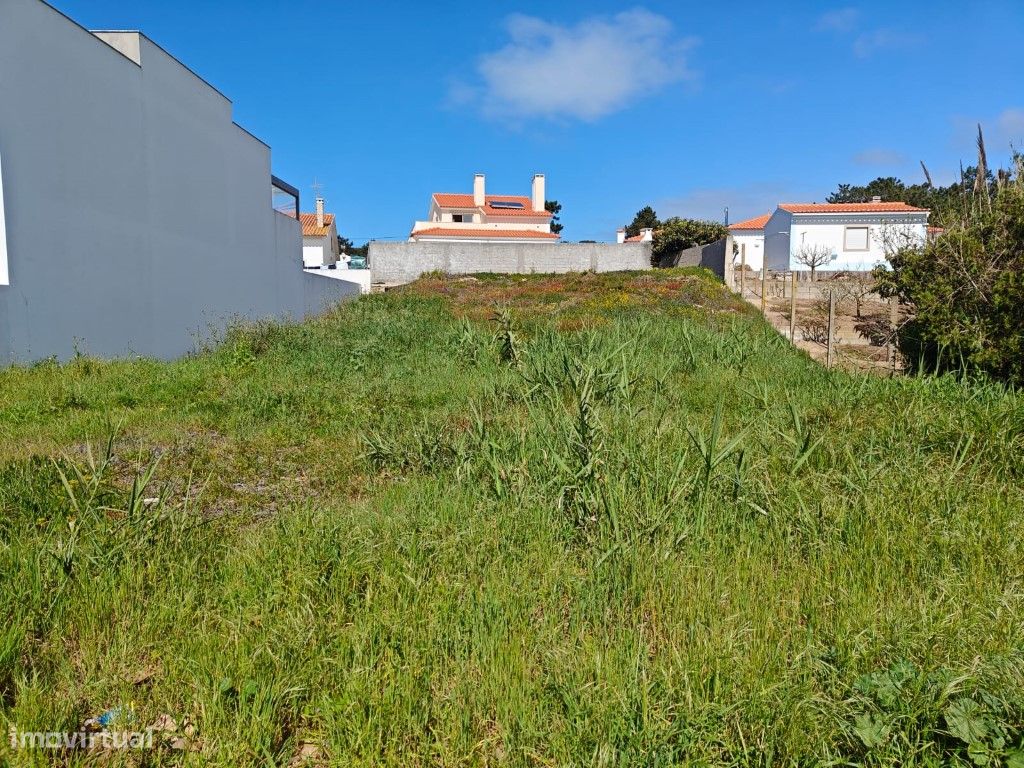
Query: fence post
x=792 y=308
x=831 y=323
x=893 y=317
x=764 y=282
x=743 y=270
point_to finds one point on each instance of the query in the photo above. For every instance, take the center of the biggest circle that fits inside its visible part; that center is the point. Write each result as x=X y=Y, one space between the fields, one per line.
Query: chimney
x=320 y=212
x=620 y=235
x=479 y=195
x=876 y=199
x=646 y=235
x=538 y=192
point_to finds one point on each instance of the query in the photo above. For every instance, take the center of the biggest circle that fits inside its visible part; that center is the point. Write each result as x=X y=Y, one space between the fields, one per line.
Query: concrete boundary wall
x=404 y=262
x=711 y=256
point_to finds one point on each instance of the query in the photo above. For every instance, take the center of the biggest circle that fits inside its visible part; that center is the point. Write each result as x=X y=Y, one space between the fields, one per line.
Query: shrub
x=676 y=235
x=965 y=292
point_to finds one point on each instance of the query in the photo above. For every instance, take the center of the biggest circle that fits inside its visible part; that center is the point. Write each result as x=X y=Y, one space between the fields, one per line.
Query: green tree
x=945 y=203
x=676 y=235
x=645 y=218
x=347 y=246
x=554 y=208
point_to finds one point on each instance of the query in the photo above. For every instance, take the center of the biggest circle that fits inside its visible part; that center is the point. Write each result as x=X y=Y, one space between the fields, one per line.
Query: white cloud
x=878 y=156
x=875 y=40
x=847 y=22
x=1002 y=132
x=1010 y=125
x=584 y=71
x=838 y=20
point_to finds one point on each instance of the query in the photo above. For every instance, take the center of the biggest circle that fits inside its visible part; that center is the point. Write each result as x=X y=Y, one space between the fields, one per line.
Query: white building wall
x=312 y=255
x=786 y=234
x=833 y=235
x=749 y=246
x=776 y=240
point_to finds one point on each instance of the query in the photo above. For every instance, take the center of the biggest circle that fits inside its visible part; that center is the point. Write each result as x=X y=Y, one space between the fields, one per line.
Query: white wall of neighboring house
x=322 y=251
x=857 y=241
x=312 y=255
x=749 y=248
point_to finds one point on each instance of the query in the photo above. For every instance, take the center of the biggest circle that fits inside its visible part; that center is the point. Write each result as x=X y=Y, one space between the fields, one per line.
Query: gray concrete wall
x=138 y=214
x=404 y=262
x=712 y=256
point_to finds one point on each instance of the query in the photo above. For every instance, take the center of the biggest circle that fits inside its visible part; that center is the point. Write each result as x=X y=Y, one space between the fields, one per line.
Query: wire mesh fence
x=838 y=318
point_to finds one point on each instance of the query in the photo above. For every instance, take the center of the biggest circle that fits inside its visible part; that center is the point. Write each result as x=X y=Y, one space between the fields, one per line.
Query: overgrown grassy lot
x=586 y=520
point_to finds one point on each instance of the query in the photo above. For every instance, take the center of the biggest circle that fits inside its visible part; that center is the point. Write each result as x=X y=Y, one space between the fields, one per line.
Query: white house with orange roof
x=858 y=235
x=319 y=238
x=748 y=239
x=646 y=235
x=479 y=217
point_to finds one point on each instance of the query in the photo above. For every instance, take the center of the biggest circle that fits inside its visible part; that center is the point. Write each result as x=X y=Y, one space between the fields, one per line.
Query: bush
x=965 y=291
x=676 y=235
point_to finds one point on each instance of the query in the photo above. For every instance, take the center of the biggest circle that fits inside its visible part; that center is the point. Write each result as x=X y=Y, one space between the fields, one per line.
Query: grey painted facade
x=711 y=256
x=138 y=214
x=404 y=262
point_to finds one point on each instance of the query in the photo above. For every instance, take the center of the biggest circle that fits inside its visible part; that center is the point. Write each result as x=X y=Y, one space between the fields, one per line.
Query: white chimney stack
x=620 y=235
x=320 y=212
x=479 y=191
x=538 y=192
x=646 y=235
x=876 y=199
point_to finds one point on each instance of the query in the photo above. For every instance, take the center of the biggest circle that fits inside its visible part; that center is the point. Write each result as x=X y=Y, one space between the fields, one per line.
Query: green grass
x=586 y=520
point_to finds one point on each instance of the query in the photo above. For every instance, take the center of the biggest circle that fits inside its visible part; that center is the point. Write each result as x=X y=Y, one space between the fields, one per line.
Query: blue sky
x=687 y=106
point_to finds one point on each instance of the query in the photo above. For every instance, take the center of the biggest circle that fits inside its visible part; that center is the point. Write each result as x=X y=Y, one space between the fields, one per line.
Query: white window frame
x=4 y=274
x=867 y=238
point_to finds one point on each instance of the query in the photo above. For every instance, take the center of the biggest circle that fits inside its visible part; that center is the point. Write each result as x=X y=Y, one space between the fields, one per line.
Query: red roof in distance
x=757 y=222
x=309 y=227
x=530 y=234
x=458 y=200
x=850 y=208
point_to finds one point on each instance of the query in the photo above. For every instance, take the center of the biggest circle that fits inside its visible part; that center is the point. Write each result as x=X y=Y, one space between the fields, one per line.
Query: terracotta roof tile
x=757 y=222
x=525 y=234
x=309 y=227
x=850 y=208
x=449 y=200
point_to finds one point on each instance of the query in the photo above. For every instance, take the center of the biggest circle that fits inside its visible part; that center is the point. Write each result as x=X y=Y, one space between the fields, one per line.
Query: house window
x=462 y=217
x=856 y=239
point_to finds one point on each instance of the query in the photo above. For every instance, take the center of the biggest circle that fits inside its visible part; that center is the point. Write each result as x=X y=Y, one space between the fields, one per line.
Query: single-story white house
x=748 y=237
x=319 y=238
x=857 y=235
x=479 y=217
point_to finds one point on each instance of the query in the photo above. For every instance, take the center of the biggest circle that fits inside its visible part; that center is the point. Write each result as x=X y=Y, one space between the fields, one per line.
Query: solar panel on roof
x=505 y=204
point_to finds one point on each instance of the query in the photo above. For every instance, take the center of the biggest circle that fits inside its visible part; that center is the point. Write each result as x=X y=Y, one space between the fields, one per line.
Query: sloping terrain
x=576 y=520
